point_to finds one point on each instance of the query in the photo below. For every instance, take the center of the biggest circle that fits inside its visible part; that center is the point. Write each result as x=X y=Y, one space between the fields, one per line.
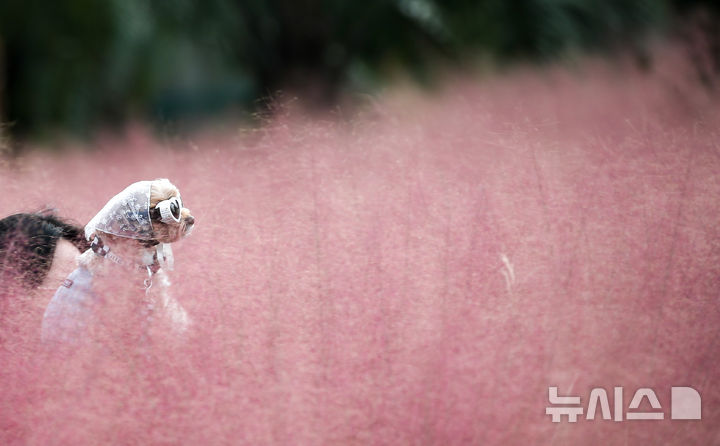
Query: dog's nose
x=190 y=220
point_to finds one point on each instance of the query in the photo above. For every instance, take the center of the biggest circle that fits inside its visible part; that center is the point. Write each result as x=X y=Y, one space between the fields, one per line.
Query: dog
x=129 y=247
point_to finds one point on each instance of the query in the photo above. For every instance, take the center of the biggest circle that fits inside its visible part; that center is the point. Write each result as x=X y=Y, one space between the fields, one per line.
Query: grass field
x=419 y=273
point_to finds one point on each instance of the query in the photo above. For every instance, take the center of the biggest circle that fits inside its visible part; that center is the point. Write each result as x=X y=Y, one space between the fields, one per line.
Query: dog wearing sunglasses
x=129 y=252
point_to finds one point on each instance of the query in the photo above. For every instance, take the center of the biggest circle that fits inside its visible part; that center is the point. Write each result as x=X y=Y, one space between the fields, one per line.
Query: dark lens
x=175 y=209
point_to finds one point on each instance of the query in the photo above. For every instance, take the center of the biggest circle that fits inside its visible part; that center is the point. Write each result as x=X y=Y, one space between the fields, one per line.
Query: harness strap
x=102 y=250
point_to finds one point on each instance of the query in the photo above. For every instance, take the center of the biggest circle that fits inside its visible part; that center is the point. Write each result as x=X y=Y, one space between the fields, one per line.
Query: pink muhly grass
x=420 y=273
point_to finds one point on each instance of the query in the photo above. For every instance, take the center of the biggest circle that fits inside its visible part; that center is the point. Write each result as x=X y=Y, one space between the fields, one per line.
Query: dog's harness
x=69 y=310
x=102 y=250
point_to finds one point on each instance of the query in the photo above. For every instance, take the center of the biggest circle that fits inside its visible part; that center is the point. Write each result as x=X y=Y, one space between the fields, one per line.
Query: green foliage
x=75 y=64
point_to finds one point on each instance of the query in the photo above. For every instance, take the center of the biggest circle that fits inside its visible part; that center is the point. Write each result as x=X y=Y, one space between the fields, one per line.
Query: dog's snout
x=190 y=220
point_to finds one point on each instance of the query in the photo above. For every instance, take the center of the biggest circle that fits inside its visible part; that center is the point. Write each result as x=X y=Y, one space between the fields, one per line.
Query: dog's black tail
x=28 y=242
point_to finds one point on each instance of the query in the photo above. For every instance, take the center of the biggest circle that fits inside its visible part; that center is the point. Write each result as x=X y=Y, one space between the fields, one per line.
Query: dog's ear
x=161 y=190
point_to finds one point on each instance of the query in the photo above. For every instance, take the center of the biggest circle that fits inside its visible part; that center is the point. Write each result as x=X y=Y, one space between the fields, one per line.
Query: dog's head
x=171 y=220
x=150 y=212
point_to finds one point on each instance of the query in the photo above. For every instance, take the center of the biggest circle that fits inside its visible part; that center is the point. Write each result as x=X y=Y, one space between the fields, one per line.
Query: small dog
x=129 y=239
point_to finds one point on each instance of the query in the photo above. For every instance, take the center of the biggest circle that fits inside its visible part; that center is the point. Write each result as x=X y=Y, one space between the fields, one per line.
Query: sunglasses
x=169 y=210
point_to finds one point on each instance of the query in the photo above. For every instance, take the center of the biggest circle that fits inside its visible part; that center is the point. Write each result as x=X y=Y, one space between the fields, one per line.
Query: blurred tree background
x=76 y=64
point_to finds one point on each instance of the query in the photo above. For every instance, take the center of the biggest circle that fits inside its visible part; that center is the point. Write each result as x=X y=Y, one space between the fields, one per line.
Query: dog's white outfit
x=126 y=215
